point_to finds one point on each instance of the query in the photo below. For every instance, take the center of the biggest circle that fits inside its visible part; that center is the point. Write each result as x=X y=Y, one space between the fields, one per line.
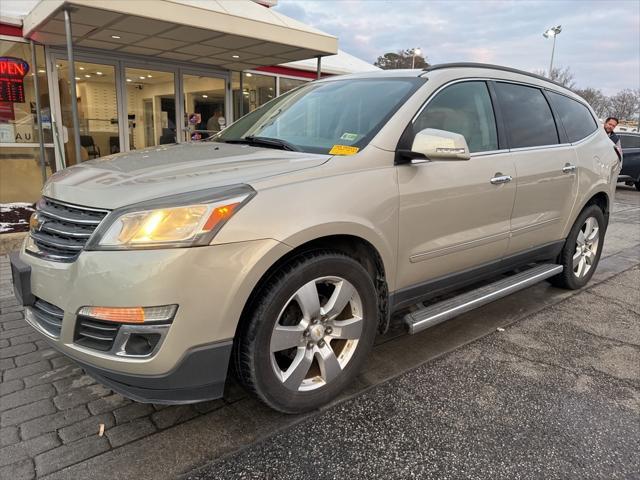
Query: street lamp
x=416 y=51
x=552 y=32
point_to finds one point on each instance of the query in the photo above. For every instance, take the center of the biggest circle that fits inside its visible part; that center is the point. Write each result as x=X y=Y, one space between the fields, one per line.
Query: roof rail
x=441 y=66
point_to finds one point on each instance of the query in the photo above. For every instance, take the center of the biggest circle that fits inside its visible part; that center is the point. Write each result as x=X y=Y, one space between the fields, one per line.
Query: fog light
x=141 y=343
x=130 y=314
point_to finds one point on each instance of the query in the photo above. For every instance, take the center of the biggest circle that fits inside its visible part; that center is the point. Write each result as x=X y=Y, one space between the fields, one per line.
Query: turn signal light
x=130 y=314
x=218 y=215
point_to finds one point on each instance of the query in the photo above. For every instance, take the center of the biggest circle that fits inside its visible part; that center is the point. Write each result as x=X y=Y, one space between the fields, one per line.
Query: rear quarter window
x=576 y=118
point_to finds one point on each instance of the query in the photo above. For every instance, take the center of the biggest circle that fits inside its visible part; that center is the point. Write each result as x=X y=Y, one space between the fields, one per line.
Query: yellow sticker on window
x=343 y=150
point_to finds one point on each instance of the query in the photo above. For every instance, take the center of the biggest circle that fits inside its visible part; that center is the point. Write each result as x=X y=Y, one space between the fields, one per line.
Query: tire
x=637 y=184
x=582 y=249
x=308 y=333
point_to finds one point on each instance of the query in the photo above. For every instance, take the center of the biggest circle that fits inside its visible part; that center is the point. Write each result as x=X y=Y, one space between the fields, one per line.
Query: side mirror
x=432 y=144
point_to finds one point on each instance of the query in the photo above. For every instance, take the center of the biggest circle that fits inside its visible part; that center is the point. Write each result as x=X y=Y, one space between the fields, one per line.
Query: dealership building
x=81 y=79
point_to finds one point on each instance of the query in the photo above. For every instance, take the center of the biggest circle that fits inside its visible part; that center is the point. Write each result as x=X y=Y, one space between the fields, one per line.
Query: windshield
x=319 y=116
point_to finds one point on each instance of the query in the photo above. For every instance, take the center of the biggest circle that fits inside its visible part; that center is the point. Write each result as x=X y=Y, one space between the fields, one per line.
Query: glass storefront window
x=21 y=170
x=257 y=90
x=18 y=121
x=151 y=107
x=97 y=110
x=204 y=106
x=287 y=84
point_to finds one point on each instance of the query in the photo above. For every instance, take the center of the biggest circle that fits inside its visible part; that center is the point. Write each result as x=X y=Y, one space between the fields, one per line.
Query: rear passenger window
x=463 y=108
x=575 y=117
x=527 y=116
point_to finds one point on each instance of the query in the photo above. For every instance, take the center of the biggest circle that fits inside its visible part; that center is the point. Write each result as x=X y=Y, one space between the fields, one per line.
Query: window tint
x=463 y=108
x=630 y=141
x=575 y=117
x=527 y=116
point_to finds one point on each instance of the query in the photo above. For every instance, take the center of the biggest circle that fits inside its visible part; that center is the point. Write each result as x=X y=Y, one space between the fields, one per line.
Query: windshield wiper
x=265 y=141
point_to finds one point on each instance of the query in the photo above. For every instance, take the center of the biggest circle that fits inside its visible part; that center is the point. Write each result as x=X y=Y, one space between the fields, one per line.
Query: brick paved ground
x=50 y=411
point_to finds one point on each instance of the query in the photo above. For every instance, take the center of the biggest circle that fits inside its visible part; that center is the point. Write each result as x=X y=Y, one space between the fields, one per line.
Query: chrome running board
x=442 y=311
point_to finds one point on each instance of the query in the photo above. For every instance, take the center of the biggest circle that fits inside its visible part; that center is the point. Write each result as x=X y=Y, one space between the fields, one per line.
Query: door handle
x=499 y=178
x=568 y=168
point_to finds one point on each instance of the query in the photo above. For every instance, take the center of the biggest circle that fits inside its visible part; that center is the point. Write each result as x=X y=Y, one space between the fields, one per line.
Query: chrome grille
x=60 y=230
x=48 y=316
x=95 y=334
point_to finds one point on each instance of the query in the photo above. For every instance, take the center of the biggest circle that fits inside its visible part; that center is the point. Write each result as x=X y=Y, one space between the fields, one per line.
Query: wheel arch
x=600 y=198
x=352 y=245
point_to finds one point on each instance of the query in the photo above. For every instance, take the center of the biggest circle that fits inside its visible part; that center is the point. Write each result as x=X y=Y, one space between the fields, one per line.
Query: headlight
x=194 y=222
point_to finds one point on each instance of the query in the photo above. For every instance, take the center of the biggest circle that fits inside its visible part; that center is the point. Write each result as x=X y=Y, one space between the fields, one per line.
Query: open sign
x=12 y=73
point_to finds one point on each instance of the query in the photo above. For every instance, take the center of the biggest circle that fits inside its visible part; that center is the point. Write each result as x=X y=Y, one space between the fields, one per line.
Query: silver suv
x=284 y=244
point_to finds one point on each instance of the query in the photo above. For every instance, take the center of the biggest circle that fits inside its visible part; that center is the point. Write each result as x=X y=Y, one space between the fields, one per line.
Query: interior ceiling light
x=128 y=79
x=98 y=73
x=142 y=77
x=235 y=56
x=81 y=68
x=41 y=71
x=115 y=36
x=205 y=96
x=248 y=75
x=88 y=76
x=149 y=76
x=77 y=78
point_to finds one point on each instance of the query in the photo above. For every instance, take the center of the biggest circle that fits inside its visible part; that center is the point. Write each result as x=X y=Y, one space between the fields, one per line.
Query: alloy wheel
x=586 y=247
x=316 y=334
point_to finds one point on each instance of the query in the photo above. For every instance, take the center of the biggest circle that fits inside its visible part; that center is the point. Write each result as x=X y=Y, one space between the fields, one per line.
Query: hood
x=132 y=177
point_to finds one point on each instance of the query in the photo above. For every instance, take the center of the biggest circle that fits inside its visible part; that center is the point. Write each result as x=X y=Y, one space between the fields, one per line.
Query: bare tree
x=400 y=59
x=598 y=101
x=563 y=76
x=625 y=104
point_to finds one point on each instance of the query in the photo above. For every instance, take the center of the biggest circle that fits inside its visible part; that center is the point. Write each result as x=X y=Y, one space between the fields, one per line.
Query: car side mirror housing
x=431 y=144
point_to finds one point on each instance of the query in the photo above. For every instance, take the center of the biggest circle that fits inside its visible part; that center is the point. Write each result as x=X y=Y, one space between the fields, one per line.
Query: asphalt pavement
x=554 y=396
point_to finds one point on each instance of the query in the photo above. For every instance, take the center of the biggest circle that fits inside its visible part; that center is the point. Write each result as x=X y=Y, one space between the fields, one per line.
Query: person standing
x=609 y=125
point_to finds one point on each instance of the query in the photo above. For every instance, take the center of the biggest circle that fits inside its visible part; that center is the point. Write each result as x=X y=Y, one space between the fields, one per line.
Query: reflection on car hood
x=127 y=178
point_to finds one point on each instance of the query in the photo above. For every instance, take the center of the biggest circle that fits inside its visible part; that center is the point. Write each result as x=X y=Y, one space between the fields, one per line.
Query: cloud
x=600 y=41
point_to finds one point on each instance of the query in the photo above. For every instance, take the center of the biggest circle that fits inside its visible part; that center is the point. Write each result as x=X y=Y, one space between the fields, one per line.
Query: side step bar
x=440 y=312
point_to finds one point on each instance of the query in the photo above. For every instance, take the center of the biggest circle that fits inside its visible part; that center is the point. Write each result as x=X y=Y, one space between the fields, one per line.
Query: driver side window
x=463 y=108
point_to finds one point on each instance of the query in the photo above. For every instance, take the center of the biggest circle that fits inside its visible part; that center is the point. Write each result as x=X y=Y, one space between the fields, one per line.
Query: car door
x=452 y=216
x=545 y=163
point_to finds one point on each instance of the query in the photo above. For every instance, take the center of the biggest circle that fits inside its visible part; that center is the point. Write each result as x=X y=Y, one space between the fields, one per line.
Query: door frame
x=203 y=72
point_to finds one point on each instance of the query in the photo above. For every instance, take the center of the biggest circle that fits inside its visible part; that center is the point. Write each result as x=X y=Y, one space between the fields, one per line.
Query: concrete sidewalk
x=556 y=395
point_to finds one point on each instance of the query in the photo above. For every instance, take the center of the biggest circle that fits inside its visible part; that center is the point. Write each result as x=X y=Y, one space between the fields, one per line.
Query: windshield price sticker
x=343 y=150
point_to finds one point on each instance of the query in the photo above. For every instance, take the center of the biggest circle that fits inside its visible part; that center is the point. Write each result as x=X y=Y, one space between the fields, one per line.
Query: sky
x=599 y=42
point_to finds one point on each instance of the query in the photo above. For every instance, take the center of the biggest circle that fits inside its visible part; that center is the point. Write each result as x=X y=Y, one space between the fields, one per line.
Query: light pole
x=416 y=51
x=552 y=32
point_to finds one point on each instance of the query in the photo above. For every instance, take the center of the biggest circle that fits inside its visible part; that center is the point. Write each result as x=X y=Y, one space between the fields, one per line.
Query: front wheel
x=309 y=333
x=582 y=249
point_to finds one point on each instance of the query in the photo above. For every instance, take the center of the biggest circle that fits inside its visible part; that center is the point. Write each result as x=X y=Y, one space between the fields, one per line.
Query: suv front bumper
x=209 y=284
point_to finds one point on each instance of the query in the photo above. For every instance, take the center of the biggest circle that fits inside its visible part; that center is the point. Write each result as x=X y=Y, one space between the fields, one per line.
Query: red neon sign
x=12 y=73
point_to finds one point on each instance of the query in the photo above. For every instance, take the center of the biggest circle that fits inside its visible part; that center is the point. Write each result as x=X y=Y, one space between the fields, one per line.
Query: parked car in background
x=283 y=244
x=630 y=173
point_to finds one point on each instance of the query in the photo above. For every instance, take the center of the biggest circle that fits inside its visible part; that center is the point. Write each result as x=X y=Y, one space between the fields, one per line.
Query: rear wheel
x=309 y=332
x=637 y=184
x=582 y=249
